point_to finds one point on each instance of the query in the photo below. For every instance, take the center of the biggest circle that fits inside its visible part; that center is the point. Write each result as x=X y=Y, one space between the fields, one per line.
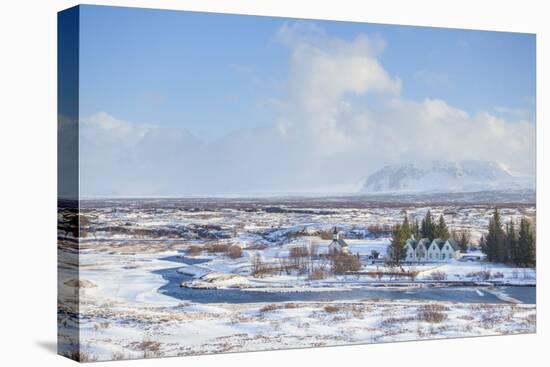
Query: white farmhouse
x=417 y=250
x=337 y=244
x=434 y=250
x=437 y=250
x=451 y=249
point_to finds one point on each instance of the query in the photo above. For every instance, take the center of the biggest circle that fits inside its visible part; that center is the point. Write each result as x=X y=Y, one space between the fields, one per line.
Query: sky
x=180 y=103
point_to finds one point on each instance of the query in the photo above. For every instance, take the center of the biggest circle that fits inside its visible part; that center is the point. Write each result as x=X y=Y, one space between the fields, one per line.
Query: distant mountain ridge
x=445 y=176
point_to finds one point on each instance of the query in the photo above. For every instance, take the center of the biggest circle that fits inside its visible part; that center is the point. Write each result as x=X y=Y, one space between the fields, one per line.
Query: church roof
x=340 y=242
x=439 y=242
x=454 y=244
x=412 y=242
x=425 y=241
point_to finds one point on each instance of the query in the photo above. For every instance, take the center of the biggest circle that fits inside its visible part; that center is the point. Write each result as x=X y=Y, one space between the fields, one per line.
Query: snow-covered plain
x=123 y=313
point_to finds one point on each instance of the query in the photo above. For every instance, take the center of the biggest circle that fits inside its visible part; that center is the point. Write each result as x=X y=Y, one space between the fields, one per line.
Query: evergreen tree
x=495 y=240
x=464 y=241
x=417 y=233
x=441 y=230
x=526 y=244
x=406 y=228
x=428 y=227
x=514 y=256
x=483 y=244
x=396 y=249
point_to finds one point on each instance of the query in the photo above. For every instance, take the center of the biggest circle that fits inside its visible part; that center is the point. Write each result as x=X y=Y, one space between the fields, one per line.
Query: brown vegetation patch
x=194 y=250
x=234 y=252
x=80 y=283
x=216 y=247
x=331 y=309
x=391 y=321
x=342 y=263
x=268 y=308
x=80 y=356
x=318 y=274
x=432 y=313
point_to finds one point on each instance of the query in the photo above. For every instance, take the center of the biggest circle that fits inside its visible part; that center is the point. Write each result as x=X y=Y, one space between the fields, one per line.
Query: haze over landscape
x=293 y=106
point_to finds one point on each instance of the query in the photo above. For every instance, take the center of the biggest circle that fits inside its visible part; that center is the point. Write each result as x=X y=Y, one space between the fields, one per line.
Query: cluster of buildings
x=422 y=250
x=436 y=250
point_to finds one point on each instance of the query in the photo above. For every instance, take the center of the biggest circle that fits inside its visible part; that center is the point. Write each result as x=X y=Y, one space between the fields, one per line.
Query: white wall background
x=28 y=180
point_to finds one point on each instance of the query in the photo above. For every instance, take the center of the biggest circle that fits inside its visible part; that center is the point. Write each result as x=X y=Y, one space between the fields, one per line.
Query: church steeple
x=335 y=234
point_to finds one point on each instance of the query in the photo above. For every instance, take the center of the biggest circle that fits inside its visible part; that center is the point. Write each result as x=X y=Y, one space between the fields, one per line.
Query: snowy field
x=133 y=258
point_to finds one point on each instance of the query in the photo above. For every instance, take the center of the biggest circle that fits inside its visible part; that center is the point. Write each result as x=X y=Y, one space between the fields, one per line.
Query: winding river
x=463 y=294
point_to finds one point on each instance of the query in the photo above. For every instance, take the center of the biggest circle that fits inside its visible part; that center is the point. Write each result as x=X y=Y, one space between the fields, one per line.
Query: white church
x=338 y=244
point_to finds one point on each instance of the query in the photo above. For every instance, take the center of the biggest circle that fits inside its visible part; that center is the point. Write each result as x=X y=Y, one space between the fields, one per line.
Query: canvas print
x=234 y=183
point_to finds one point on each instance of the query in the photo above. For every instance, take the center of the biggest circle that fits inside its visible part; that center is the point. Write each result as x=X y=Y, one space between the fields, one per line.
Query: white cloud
x=342 y=117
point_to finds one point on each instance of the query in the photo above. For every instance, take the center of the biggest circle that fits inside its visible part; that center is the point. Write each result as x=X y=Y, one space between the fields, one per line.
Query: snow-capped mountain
x=445 y=176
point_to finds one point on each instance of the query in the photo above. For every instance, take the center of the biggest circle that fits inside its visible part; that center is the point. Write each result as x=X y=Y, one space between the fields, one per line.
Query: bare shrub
x=357 y=311
x=194 y=250
x=87 y=357
x=342 y=263
x=318 y=274
x=80 y=356
x=257 y=246
x=217 y=247
x=285 y=265
x=485 y=274
x=298 y=252
x=301 y=258
x=261 y=269
x=493 y=316
x=481 y=275
x=391 y=321
x=291 y=305
x=393 y=273
x=314 y=249
x=437 y=307
x=150 y=348
x=326 y=235
x=270 y=307
x=377 y=230
x=432 y=313
x=379 y=274
x=437 y=275
x=331 y=309
x=491 y=319
x=234 y=252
